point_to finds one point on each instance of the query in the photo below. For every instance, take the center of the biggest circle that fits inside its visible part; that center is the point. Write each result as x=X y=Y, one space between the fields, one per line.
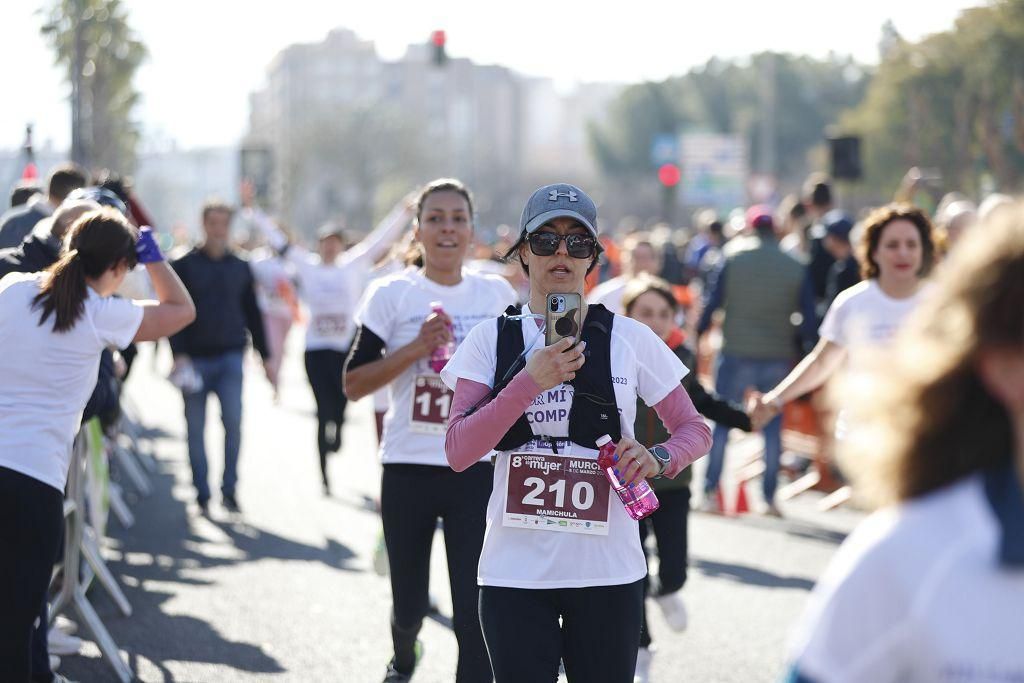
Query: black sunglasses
x=546 y=244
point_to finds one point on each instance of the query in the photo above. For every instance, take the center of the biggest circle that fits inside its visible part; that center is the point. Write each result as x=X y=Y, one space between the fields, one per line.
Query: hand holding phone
x=562 y=317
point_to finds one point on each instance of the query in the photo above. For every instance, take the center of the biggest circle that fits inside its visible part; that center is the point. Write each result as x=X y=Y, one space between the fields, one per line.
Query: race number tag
x=327 y=325
x=556 y=493
x=431 y=403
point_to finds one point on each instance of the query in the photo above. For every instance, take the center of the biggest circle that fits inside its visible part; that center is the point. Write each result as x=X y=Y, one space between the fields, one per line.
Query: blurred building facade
x=347 y=133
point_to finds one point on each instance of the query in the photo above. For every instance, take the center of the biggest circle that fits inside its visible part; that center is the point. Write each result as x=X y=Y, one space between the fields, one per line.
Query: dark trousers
x=324 y=368
x=221 y=375
x=597 y=638
x=31 y=520
x=412 y=499
x=669 y=525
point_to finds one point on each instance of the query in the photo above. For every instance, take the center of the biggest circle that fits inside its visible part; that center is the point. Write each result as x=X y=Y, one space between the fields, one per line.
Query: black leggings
x=597 y=639
x=412 y=499
x=324 y=368
x=31 y=521
x=669 y=523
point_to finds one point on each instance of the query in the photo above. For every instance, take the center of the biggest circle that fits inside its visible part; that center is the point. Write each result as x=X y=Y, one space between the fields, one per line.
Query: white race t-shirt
x=862 y=320
x=49 y=376
x=641 y=365
x=270 y=273
x=864 y=317
x=394 y=309
x=331 y=294
x=917 y=595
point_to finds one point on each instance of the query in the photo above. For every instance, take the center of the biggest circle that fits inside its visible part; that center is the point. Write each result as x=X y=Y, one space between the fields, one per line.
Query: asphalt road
x=285 y=591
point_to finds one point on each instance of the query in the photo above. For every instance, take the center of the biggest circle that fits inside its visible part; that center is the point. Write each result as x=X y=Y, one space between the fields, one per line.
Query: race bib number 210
x=556 y=493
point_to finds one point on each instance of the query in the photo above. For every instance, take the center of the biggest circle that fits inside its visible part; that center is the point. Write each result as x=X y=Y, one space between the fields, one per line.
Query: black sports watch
x=663 y=457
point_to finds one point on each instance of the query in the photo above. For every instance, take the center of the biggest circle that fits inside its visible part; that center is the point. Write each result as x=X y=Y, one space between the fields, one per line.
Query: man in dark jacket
x=16 y=224
x=208 y=353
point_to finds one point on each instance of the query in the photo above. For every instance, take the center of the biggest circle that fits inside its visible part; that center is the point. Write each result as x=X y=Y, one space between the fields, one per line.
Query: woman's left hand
x=634 y=462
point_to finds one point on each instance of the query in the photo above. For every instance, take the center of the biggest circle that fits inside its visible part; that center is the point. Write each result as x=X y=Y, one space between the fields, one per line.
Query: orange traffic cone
x=742 y=507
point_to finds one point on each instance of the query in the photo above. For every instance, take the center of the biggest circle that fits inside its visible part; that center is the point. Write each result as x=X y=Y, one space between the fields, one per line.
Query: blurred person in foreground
x=17 y=223
x=757 y=287
x=208 y=353
x=932 y=587
x=54 y=325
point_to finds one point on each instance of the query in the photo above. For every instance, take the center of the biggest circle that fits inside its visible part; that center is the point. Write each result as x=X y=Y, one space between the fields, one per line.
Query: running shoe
x=230 y=503
x=674 y=610
x=393 y=675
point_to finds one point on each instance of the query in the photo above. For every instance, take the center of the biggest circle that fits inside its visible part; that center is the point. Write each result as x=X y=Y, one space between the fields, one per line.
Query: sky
x=206 y=56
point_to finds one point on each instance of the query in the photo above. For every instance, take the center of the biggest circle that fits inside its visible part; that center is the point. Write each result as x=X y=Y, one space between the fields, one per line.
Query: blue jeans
x=223 y=376
x=734 y=375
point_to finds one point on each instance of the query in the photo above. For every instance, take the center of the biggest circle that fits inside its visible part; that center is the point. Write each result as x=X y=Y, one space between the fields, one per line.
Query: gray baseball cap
x=560 y=200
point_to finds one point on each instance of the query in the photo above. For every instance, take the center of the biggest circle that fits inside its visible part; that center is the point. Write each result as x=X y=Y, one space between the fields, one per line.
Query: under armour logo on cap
x=553 y=195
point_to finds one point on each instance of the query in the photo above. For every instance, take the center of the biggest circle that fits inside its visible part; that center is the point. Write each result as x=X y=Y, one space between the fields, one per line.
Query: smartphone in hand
x=562 y=317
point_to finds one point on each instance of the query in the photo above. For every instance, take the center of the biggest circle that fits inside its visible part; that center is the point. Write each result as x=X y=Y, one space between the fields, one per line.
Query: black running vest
x=594 y=411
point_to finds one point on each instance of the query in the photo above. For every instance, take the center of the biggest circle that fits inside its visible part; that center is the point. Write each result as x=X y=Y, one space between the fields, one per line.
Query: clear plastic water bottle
x=443 y=353
x=638 y=499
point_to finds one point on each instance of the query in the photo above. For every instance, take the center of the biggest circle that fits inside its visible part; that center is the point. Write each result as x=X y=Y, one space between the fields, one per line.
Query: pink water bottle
x=638 y=499
x=440 y=356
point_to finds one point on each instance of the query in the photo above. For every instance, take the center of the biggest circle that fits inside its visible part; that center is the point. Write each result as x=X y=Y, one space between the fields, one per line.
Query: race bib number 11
x=556 y=493
x=431 y=403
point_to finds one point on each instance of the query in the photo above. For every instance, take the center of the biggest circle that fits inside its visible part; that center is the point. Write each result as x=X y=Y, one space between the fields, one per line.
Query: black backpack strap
x=509 y=362
x=594 y=410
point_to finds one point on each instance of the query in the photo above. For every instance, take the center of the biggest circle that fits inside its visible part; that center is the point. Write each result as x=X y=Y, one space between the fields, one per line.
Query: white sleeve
x=275 y=238
x=376 y=311
x=658 y=370
x=476 y=357
x=116 y=321
x=833 y=327
x=506 y=293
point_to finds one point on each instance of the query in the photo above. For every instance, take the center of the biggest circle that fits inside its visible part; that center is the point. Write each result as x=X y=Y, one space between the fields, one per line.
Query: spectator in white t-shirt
x=896 y=252
x=639 y=255
x=931 y=589
x=53 y=327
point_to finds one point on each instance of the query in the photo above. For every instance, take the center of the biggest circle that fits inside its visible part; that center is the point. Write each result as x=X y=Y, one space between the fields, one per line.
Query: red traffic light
x=438 y=38
x=669 y=175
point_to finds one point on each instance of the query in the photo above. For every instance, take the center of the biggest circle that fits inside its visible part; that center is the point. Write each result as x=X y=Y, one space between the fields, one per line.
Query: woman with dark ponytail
x=53 y=327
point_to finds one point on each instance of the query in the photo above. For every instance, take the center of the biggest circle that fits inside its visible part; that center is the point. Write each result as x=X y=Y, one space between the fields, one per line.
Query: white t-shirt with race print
x=48 y=376
x=864 y=317
x=641 y=365
x=863 y=320
x=394 y=309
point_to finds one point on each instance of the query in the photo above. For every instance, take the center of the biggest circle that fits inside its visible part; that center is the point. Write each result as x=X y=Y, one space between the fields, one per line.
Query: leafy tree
x=93 y=41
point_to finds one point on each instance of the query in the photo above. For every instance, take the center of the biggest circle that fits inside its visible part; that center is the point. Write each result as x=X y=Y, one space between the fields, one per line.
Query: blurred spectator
x=819 y=201
x=993 y=204
x=639 y=255
x=931 y=588
x=41 y=248
x=794 y=224
x=23 y=191
x=17 y=223
x=758 y=287
x=952 y=220
x=845 y=272
x=208 y=353
x=704 y=251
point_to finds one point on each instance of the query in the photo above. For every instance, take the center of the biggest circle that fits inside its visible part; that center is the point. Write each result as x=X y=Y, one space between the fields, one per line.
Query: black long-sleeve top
x=225 y=298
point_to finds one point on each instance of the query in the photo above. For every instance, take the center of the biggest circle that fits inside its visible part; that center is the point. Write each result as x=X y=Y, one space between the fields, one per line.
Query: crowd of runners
x=500 y=370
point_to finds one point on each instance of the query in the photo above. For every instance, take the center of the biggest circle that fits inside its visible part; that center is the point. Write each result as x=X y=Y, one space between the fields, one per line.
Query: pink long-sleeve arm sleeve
x=690 y=436
x=470 y=437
